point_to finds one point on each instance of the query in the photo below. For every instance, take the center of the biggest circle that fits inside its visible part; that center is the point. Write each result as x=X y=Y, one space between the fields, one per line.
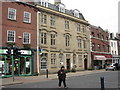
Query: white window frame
x=45 y=61
x=67 y=40
x=14 y=35
x=79 y=43
x=9 y=14
x=52 y=20
x=53 y=39
x=43 y=38
x=53 y=59
x=29 y=38
x=44 y=19
x=28 y=18
x=78 y=27
x=67 y=24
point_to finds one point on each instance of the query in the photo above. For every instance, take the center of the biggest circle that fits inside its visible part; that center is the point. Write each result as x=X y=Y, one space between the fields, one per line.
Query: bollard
x=46 y=73
x=102 y=83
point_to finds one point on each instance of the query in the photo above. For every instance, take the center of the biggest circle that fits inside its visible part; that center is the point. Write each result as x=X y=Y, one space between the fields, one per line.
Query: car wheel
x=106 y=69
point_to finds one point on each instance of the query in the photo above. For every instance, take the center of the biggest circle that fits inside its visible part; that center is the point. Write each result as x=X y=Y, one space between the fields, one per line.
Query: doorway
x=85 y=63
x=68 y=64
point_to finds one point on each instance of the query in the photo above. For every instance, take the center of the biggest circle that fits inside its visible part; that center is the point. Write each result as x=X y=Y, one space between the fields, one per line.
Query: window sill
x=53 y=47
x=12 y=20
x=67 y=48
x=27 y=22
x=53 y=66
x=67 y=30
x=44 y=25
x=53 y=27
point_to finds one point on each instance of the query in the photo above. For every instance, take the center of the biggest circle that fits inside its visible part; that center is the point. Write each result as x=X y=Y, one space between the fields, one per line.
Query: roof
x=56 y=7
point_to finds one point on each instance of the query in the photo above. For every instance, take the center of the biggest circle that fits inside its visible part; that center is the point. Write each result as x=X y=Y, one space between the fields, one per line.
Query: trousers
x=62 y=80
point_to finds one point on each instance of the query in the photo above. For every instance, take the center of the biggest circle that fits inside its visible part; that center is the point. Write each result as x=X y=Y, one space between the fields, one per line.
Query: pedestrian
x=62 y=77
x=116 y=66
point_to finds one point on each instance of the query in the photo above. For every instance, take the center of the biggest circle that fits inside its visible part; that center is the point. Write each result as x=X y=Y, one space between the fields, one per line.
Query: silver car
x=110 y=67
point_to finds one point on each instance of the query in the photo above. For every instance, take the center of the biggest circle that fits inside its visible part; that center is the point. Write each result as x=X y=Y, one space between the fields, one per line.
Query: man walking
x=62 y=77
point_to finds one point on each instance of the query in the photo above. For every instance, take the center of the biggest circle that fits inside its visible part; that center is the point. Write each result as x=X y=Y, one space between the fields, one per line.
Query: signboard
x=4 y=51
x=28 y=52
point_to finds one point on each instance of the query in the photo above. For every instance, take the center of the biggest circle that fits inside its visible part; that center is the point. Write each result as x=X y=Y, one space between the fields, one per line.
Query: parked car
x=110 y=67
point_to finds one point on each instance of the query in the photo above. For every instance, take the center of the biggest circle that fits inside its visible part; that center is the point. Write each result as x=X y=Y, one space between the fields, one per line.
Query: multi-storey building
x=115 y=47
x=63 y=38
x=100 y=52
x=19 y=29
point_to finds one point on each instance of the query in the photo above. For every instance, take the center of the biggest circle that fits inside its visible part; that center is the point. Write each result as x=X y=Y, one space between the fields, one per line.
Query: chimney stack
x=57 y=1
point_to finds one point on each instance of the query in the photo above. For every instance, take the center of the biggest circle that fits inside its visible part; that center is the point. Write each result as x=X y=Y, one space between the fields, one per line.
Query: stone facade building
x=63 y=38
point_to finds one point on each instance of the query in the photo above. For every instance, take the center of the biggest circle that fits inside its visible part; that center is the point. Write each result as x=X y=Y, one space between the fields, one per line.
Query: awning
x=99 y=57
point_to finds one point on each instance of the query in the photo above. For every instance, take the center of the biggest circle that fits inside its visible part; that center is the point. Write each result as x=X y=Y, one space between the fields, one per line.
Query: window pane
x=11 y=36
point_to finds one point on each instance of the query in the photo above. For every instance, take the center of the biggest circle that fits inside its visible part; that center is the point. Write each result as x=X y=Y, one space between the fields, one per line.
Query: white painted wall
x=113 y=47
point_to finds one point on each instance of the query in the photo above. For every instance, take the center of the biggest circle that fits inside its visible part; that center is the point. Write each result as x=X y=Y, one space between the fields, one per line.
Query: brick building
x=100 y=52
x=19 y=29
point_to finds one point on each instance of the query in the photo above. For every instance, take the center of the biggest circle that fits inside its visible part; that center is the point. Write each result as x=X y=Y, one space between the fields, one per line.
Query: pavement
x=41 y=78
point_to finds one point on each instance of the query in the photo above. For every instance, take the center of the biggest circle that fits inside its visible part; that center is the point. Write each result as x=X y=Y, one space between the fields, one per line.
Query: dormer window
x=76 y=13
x=43 y=3
x=61 y=7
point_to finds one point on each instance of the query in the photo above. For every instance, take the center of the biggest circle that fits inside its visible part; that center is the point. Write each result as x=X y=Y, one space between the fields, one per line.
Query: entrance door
x=68 y=64
x=85 y=64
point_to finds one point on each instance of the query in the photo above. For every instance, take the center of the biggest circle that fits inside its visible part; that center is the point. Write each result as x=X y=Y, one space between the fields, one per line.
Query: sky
x=103 y=13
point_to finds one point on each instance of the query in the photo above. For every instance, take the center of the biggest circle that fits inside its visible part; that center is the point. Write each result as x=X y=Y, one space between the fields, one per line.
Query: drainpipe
x=38 y=42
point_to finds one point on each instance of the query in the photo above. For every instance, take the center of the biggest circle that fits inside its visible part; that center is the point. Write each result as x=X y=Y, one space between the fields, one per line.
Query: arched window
x=44 y=63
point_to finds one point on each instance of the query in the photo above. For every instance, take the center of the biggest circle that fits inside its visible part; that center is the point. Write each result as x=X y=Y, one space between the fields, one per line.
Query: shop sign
x=3 y=51
x=28 y=52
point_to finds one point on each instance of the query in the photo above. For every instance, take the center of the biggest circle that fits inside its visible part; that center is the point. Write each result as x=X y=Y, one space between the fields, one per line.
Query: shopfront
x=99 y=60
x=18 y=67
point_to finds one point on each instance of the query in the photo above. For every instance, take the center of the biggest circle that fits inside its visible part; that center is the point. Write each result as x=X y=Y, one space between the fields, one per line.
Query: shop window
x=5 y=66
x=28 y=62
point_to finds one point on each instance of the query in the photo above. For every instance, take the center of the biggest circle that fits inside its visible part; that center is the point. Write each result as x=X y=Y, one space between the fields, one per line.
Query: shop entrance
x=23 y=66
x=20 y=66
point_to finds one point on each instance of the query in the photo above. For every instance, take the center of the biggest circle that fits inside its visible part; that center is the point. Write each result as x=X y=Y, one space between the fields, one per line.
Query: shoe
x=60 y=87
x=66 y=87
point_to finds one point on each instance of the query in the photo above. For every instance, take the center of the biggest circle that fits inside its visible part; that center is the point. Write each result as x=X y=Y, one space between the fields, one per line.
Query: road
x=84 y=81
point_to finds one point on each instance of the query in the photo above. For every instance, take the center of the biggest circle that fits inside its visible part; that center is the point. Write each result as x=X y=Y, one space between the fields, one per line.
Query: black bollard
x=102 y=83
x=46 y=73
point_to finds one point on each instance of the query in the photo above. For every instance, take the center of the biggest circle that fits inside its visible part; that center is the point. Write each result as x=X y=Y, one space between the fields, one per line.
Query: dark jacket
x=61 y=74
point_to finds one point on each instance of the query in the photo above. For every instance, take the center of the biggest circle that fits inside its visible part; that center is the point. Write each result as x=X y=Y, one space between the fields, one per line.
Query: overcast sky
x=103 y=13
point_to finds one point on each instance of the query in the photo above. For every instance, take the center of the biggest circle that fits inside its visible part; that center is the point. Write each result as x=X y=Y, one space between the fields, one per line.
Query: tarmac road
x=84 y=81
